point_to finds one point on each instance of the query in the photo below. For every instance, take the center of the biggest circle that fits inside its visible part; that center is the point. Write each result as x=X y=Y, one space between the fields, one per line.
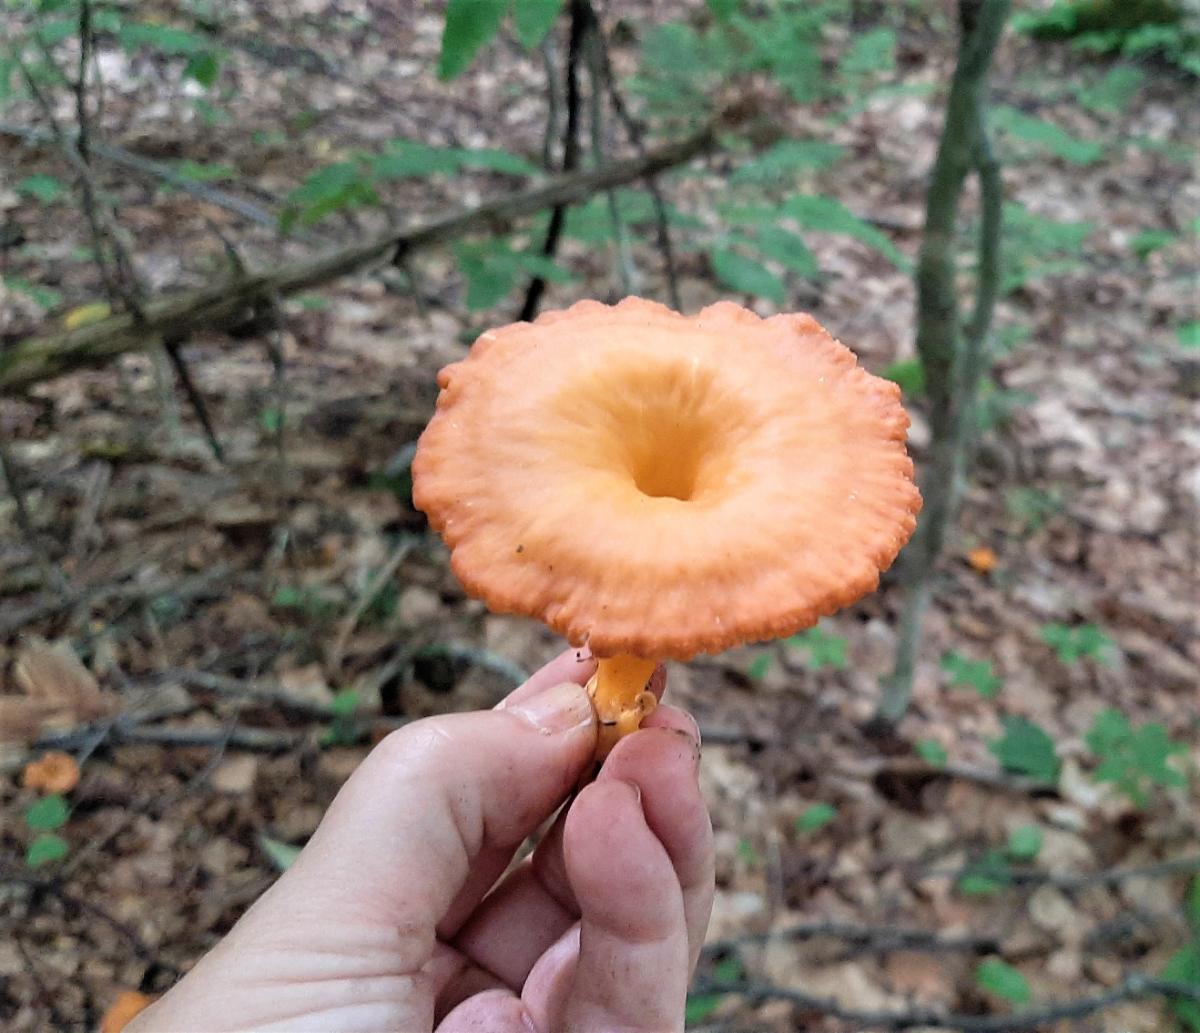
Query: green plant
x=1000 y=978
x=343 y=730
x=46 y=189
x=1035 y=247
x=932 y=752
x=700 y=1006
x=1026 y=749
x=1133 y=759
x=1041 y=135
x=1081 y=642
x=975 y=674
x=815 y=817
x=824 y=650
x=43 y=817
x=909 y=374
x=471 y=24
x=1031 y=507
x=1188 y=334
x=1024 y=843
x=985 y=875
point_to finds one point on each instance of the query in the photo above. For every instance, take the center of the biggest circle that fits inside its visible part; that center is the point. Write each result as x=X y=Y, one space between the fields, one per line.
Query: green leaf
x=747 y=853
x=45 y=188
x=824 y=650
x=909 y=374
x=44 y=849
x=1191 y=906
x=829 y=215
x=345 y=703
x=330 y=189
x=50 y=812
x=781 y=162
x=986 y=876
x=496 y=160
x=202 y=173
x=165 y=38
x=490 y=276
x=932 y=752
x=411 y=159
x=469 y=25
x=1188 y=334
x=1000 y=978
x=788 y=249
x=1025 y=842
x=744 y=274
x=533 y=20
x=281 y=854
x=203 y=68
x=271 y=419
x=536 y=264
x=816 y=817
x=1026 y=748
x=722 y=10
x=1149 y=241
x=1184 y=967
x=872 y=53
x=1081 y=642
x=1046 y=136
x=1115 y=91
x=975 y=674
x=701 y=1006
x=1133 y=758
x=758 y=667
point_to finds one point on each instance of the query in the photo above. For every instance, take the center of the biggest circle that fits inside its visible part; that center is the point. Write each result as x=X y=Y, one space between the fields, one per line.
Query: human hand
x=385 y=920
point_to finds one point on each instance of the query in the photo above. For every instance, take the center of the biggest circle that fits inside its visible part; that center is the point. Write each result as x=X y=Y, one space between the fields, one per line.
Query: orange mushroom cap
x=661 y=485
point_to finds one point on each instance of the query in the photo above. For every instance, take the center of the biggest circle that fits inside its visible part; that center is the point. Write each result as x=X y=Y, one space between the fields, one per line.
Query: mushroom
x=655 y=485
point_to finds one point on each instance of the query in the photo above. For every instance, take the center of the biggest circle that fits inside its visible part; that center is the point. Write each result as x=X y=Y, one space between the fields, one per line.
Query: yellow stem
x=619 y=694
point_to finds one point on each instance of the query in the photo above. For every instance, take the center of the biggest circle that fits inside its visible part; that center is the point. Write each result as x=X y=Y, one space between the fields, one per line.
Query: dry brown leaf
x=57 y=689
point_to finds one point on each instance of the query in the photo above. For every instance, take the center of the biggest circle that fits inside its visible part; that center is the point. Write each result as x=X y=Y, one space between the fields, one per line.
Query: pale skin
x=402 y=915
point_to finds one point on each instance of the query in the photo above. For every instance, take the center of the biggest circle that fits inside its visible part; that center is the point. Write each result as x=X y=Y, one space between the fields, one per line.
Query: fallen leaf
x=85 y=314
x=56 y=688
x=53 y=772
x=122 y=1011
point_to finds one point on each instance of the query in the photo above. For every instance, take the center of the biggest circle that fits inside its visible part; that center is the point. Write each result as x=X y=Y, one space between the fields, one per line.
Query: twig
x=382 y=576
x=258 y=739
x=1108 y=877
x=96 y=487
x=173 y=348
x=51 y=574
x=258 y=691
x=227 y=304
x=1134 y=987
x=874 y=937
x=636 y=133
x=580 y=21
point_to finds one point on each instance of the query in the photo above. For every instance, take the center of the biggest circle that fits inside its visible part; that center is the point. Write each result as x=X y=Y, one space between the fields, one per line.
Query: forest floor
x=262 y=572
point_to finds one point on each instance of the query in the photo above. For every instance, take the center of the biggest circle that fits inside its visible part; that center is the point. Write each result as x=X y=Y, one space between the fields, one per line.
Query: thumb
x=399 y=841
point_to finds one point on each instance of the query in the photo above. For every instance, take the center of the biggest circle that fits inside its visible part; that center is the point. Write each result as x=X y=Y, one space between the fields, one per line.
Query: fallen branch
x=1134 y=987
x=228 y=304
x=872 y=937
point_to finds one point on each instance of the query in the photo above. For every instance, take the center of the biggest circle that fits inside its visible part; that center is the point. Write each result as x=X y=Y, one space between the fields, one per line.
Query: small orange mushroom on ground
x=658 y=485
x=53 y=772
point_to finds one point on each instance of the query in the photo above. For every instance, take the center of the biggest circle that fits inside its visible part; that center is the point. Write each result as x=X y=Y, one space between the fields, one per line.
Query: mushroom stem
x=619 y=694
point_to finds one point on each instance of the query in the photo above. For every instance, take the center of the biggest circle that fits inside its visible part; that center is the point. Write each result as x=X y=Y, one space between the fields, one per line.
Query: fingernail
x=558 y=708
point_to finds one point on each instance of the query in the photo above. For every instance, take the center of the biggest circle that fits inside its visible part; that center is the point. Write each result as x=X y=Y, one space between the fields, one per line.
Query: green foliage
x=48 y=813
x=206 y=173
x=282 y=855
x=872 y=54
x=44 y=297
x=1031 y=507
x=995 y=405
x=701 y=1006
x=203 y=57
x=333 y=188
x=758 y=667
x=824 y=650
x=1115 y=91
x=1184 y=967
x=492 y=268
x=45 y=849
x=985 y=876
x=309 y=601
x=1000 y=978
x=1035 y=247
x=1188 y=334
x=343 y=729
x=816 y=817
x=829 y=215
x=786 y=248
x=975 y=674
x=1081 y=642
x=1149 y=241
x=781 y=162
x=909 y=374
x=741 y=273
x=410 y=159
x=747 y=853
x=932 y=752
x=43 y=188
x=470 y=24
x=1133 y=759
x=533 y=19
x=1025 y=843
x=1045 y=136
x=1026 y=749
